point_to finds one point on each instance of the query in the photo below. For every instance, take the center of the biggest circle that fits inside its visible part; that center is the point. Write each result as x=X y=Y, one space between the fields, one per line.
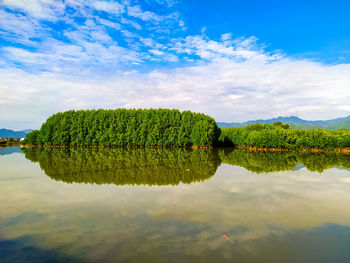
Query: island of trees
x=172 y=128
x=126 y=127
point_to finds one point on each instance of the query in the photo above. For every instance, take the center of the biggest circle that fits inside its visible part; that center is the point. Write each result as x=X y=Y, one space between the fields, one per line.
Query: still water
x=173 y=205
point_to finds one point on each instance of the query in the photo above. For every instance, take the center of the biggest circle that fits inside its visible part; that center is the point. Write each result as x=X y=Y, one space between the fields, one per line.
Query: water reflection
x=266 y=162
x=122 y=166
x=9 y=150
x=21 y=250
x=267 y=218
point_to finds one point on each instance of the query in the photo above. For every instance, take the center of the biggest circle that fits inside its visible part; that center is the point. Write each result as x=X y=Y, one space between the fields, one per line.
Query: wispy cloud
x=225 y=89
x=20 y=28
x=109 y=7
x=136 y=11
x=41 y=9
x=82 y=34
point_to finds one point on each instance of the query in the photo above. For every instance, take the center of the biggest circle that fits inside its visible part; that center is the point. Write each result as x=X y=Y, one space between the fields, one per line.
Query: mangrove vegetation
x=279 y=135
x=126 y=127
x=172 y=128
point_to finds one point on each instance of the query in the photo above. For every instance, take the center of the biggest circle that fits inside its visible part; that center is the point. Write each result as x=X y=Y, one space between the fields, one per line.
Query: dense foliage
x=122 y=166
x=279 y=135
x=121 y=127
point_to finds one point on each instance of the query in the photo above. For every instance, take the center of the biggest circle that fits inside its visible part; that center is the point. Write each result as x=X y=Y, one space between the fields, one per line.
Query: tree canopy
x=279 y=135
x=126 y=127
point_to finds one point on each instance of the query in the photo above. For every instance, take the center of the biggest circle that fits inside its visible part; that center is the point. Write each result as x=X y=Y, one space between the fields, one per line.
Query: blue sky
x=233 y=60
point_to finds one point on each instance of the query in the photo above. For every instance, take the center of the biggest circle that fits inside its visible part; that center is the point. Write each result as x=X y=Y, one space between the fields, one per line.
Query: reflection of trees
x=318 y=162
x=265 y=162
x=123 y=166
x=259 y=162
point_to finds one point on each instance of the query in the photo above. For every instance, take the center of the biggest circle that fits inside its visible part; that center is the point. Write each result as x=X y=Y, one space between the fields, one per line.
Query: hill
x=295 y=121
x=340 y=125
x=336 y=126
x=6 y=133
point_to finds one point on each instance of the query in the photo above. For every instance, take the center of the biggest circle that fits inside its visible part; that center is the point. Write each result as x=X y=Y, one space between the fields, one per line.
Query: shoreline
x=10 y=144
x=345 y=150
x=118 y=146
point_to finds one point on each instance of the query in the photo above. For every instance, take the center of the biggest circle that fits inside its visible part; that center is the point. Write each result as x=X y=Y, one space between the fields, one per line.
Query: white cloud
x=169 y=3
x=344 y=108
x=109 y=7
x=149 y=42
x=88 y=31
x=226 y=89
x=156 y=52
x=19 y=28
x=226 y=36
x=128 y=33
x=109 y=23
x=134 y=24
x=237 y=49
x=136 y=11
x=42 y=9
x=181 y=23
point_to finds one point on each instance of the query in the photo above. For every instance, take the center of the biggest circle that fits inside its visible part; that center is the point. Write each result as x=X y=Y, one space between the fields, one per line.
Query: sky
x=234 y=60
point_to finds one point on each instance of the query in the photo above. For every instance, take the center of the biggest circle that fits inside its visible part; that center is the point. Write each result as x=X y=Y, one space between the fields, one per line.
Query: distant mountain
x=305 y=126
x=291 y=120
x=336 y=126
x=6 y=133
x=26 y=131
x=340 y=125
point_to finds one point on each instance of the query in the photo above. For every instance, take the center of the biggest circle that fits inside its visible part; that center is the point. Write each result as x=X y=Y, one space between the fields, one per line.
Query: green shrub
x=280 y=136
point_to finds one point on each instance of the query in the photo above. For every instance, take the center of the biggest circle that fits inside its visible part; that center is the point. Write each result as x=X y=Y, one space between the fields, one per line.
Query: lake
x=173 y=205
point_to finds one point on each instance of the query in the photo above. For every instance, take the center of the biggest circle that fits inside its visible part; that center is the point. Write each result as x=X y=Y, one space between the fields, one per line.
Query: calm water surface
x=153 y=205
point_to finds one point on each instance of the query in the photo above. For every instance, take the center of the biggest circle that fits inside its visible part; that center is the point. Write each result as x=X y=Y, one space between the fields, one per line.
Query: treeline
x=126 y=127
x=164 y=127
x=279 y=135
x=9 y=142
x=125 y=166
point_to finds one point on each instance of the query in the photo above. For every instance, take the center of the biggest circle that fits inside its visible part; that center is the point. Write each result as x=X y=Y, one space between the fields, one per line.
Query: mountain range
x=6 y=133
x=296 y=122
